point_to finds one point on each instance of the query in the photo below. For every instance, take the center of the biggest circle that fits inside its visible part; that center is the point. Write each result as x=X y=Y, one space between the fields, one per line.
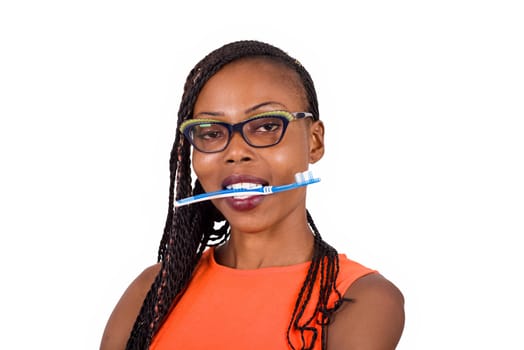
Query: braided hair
x=190 y=229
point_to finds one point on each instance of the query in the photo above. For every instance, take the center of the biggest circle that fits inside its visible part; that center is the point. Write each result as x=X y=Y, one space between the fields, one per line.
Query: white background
x=422 y=179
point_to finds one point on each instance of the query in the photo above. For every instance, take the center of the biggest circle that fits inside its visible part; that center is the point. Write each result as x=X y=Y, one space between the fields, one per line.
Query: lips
x=242 y=202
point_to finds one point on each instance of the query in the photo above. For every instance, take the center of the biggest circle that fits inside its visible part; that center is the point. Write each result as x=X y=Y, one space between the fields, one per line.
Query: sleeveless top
x=227 y=308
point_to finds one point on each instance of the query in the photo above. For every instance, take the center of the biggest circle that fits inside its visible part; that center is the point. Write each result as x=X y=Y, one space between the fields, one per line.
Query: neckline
x=263 y=270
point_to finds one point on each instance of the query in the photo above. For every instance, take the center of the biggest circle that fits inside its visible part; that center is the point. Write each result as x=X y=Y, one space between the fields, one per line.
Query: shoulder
x=350 y=271
x=373 y=320
x=122 y=319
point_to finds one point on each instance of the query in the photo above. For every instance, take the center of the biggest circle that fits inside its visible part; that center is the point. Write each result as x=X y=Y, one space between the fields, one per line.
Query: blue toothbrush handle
x=241 y=191
x=216 y=194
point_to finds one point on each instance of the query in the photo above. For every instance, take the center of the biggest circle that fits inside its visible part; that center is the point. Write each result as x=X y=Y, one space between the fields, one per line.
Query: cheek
x=294 y=153
x=203 y=166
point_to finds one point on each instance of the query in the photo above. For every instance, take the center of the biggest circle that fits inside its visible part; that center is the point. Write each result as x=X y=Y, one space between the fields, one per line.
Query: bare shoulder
x=374 y=320
x=122 y=319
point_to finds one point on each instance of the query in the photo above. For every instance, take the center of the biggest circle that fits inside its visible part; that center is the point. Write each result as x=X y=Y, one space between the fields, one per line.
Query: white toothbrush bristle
x=304 y=176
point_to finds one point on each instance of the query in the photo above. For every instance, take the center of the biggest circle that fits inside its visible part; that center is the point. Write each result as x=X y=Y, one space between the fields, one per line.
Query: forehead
x=251 y=81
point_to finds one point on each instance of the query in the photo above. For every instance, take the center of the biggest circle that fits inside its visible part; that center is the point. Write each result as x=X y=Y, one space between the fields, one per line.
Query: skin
x=275 y=233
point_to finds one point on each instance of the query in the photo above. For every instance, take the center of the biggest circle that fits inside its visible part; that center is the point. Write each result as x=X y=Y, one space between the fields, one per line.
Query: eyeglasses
x=261 y=130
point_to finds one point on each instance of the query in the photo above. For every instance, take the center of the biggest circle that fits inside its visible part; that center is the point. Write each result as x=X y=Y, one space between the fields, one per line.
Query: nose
x=238 y=150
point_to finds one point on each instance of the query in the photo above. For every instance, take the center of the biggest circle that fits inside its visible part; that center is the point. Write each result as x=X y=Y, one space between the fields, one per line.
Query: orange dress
x=226 y=308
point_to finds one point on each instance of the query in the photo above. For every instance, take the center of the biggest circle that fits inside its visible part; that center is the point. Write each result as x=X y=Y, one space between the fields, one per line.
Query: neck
x=270 y=249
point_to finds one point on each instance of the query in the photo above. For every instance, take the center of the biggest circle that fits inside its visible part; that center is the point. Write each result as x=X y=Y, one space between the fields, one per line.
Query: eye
x=209 y=132
x=265 y=125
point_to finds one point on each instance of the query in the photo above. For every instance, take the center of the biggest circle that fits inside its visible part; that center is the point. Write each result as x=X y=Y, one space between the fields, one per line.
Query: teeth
x=243 y=185
x=241 y=197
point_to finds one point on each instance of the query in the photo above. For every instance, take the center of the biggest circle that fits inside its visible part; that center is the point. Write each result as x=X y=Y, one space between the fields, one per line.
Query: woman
x=250 y=272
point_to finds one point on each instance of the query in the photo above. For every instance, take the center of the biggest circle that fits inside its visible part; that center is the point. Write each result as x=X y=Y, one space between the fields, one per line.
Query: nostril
x=240 y=160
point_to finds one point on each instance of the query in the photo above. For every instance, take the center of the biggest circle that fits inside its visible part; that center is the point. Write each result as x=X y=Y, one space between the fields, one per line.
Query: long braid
x=325 y=260
x=189 y=230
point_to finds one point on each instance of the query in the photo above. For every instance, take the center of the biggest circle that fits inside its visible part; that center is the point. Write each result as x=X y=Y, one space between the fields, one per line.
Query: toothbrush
x=301 y=179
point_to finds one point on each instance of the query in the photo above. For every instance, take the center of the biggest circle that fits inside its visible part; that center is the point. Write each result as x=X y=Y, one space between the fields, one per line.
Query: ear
x=316 y=141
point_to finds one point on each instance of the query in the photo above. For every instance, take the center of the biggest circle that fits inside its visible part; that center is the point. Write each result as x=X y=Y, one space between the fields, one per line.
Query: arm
x=122 y=319
x=373 y=321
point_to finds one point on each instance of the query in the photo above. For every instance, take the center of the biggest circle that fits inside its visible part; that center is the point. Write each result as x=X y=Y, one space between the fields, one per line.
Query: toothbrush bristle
x=304 y=176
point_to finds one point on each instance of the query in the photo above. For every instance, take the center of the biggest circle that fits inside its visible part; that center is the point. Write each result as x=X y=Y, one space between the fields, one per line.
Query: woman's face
x=239 y=90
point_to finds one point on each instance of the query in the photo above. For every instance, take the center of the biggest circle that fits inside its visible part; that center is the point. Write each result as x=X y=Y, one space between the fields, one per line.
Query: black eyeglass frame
x=285 y=116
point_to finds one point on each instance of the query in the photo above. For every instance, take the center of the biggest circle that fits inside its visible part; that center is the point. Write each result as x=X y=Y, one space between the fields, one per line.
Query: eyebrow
x=247 y=111
x=263 y=104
